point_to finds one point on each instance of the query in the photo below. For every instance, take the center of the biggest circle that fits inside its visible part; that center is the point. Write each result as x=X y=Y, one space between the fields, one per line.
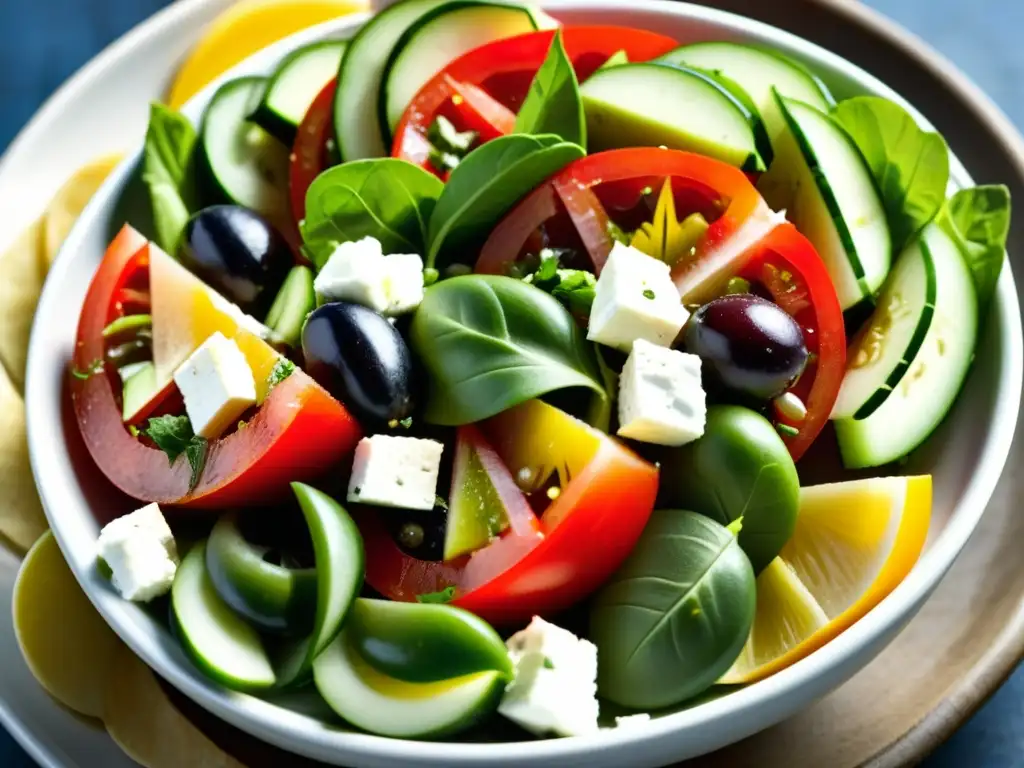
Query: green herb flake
x=444 y=136
x=430 y=276
x=737 y=285
x=406 y=422
x=440 y=502
x=282 y=369
x=648 y=293
x=133 y=430
x=787 y=431
x=618 y=234
x=173 y=435
x=446 y=595
x=96 y=366
x=548 y=663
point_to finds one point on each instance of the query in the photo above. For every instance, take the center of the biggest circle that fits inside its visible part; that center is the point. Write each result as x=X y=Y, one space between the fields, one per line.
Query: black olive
x=748 y=345
x=359 y=357
x=237 y=252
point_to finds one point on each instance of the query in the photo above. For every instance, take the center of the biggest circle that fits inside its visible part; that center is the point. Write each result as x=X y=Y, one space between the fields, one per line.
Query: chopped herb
x=448 y=145
x=96 y=366
x=548 y=269
x=737 y=285
x=440 y=502
x=618 y=234
x=576 y=289
x=446 y=595
x=430 y=276
x=787 y=431
x=173 y=435
x=406 y=422
x=548 y=663
x=282 y=369
x=647 y=191
x=196 y=452
x=242 y=425
x=133 y=430
x=356 y=491
x=648 y=293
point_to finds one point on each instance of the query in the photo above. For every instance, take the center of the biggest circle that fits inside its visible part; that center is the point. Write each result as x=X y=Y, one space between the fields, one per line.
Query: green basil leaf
x=490 y=343
x=553 y=104
x=675 y=617
x=167 y=170
x=385 y=198
x=979 y=218
x=910 y=166
x=172 y=434
x=488 y=182
x=740 y=467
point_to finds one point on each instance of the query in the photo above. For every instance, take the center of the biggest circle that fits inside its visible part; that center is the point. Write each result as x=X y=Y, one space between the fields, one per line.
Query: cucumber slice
x=884 y=349
x=358 y=133
x=424 y=643
x=915 y=404
x=654 y=104
x=244 y=164
x=441 y=36
x=384 y=705
x=294 y=302
x=756 y=71
x=220 y=642
x=271 y=597
x=820 y=178
x=138 y=389
x=292 y=88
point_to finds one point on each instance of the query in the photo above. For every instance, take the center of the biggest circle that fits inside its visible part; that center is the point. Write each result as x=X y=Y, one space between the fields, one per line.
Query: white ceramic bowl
x=966 y=458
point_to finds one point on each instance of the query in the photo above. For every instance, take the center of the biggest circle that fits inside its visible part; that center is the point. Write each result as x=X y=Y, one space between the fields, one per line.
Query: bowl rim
x=282 y=726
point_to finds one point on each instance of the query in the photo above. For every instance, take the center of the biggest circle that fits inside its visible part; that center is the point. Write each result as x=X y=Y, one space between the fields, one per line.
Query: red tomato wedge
x=790 y=268
x=490 y=82
x=309 y=155
x=298 y=431
x=606 y=496
x=613 y=184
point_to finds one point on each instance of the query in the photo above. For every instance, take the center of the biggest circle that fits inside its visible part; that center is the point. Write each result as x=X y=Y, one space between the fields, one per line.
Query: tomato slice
x=606 y=495
x=790 y=268
x=310 y=155
x=298 y=432
x=618 y=180
x=502 y=72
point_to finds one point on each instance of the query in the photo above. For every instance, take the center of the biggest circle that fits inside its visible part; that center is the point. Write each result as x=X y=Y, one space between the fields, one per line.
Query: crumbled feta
x=394 y=471
x=661 y=399
x=139 y=549
x=555 y=686
x=635 y=298
x=217 y=385
x=632 y=721
x=360 y=272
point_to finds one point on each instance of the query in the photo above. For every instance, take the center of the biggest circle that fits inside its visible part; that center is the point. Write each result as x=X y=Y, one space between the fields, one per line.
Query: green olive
x=739 y=468
x=424 y=642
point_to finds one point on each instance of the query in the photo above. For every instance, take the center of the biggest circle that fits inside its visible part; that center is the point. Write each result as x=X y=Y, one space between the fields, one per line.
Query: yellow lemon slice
x=148 y=727
x=244 y=29
x=70 y=201
x=854 y=542
x=22 y=520
x=65 y=642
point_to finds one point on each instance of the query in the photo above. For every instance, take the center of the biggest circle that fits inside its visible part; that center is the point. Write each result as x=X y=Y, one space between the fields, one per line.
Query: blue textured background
x=42 y=42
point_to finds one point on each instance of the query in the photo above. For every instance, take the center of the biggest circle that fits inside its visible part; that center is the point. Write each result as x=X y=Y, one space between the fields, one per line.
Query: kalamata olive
x=747 y=344
x=237 y=252
x=359 y=357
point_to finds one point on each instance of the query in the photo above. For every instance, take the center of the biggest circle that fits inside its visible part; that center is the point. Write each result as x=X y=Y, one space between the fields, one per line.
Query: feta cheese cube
x=394 y=471
x=217 y=385
x=555 y=686
x=635 y=298
x=360 y=272
x=661 y=399
x=140 y=550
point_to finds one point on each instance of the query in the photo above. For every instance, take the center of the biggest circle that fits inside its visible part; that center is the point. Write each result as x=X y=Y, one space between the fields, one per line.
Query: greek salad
x=472 y=364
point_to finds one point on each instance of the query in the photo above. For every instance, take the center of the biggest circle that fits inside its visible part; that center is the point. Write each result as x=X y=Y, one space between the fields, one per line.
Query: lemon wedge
x=854 y=542
x=244 y=29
